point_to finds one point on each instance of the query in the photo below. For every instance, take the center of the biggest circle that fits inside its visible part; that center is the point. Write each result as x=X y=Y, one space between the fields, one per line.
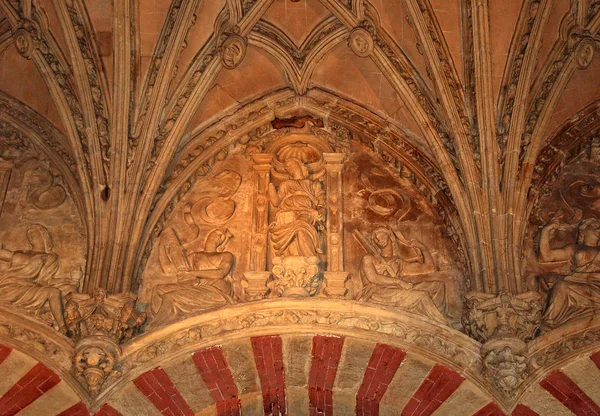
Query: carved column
x=257 y=272
x=335 y=275
x=503 y=323
x=5 y=169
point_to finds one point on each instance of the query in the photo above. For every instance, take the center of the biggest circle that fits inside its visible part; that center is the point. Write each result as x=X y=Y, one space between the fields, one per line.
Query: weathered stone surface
x=295 y=202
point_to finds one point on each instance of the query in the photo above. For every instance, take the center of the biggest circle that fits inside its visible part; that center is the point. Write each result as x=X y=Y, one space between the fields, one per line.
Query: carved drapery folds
x=297 y=227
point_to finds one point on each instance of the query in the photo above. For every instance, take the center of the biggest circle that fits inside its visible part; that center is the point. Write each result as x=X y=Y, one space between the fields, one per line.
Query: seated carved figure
x=29 y=281
x=203 y=281
x=576 y=295
x=381 y=276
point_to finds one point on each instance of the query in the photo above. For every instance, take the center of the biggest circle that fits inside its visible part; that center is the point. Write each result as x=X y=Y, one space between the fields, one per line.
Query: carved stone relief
x=233 y=51
x=400 y=257
x=564 y=237
x=99 y=324
x=361 y=42
x=41 y=240
x=195 y=264
x=290 y=216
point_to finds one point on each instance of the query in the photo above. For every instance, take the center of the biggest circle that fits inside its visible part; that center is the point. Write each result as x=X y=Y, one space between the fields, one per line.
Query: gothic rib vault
x=299 y=207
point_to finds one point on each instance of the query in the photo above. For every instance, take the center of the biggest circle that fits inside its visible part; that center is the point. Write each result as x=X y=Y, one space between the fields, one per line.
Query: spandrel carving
x=29 y=279
x=382 y=270
x=204 y=279
x=564 y=262
x=42 y=243
x=577 y=294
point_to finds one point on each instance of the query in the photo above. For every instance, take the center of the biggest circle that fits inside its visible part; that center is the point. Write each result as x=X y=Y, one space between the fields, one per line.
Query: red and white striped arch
x=317 y=375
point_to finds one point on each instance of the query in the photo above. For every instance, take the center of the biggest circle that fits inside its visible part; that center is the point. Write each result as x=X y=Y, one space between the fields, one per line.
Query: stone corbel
x=95 y=360
x=503 y=323
x=99 y=324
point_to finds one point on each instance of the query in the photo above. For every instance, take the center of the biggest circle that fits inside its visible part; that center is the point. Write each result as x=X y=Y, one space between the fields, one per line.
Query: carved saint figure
x=381 y=276
x=576 y=295
x=29 y=281
x=299 y=222
x=203 y=281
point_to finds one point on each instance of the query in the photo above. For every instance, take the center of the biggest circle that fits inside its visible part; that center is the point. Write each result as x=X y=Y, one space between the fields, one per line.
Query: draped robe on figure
x=294 y=231
x=577 y=295
x=27 y=281
x=173 y=300
x=426 y=298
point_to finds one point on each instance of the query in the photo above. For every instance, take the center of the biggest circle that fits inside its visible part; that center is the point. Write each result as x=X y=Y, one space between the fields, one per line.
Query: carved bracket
x=487 y=316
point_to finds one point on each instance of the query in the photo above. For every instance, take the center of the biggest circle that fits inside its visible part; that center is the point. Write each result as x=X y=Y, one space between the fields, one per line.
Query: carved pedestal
x=503 y=323
x=295 y=276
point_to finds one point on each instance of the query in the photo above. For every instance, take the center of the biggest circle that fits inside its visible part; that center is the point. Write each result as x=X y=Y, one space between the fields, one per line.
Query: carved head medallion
x=24 y=43
x=233 y=51
x=584 y=53
x=361 y=42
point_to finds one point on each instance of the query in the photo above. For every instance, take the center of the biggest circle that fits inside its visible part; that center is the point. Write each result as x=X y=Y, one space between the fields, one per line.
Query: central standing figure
x=299 y=222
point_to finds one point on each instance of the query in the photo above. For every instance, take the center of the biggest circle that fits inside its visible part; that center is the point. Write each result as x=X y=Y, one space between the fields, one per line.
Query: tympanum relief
x=290 y=215
x=42 y=243
x=564 y=261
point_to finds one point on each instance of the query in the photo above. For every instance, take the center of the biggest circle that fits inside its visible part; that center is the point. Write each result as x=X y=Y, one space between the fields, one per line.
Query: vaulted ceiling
x=125 y=89
x=482 y=101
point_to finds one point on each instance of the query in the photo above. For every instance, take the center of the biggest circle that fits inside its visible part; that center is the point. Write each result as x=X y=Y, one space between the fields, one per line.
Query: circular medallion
x=23 y=43
x=584 y=53
x=361 y=42
x=233 y=51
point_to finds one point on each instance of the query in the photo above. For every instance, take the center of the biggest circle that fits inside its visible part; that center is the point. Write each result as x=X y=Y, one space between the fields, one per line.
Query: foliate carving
x=233 y=51
x=14 y=140
x=424 y=338
x=546 y=88
x=63 y=80
x=563 y=347
x=94 y=361
x=488 y=316
x=99 y=323
x=382 y=270
x=515 y=74
x=93 y=78
x=35 y=341
x=295 y=276
x=505 y=365
x=361 y=42
x=102 y=315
